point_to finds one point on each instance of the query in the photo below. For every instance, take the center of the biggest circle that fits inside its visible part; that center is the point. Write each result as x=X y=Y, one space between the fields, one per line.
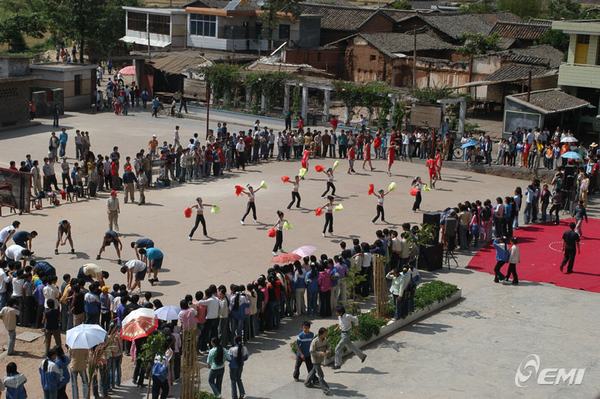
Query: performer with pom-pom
x=432 y=169
x=295 y=193
x=415 y=190
x=199 y=217
x=380 y=212
x=278 y=226
x=251 y=205
x=328 y=207
x=330 y=185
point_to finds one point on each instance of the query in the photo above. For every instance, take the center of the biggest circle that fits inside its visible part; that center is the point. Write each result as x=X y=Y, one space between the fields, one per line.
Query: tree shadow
x=428 y=328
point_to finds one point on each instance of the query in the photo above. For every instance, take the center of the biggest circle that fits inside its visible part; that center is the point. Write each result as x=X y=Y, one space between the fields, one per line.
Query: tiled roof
x=512 y=72
x=179 y=62
x=399 y=15
x=457 y=25
x=335 y=17
x=550 y=101
x=208 y=3
x=536 y=55
x=520 y=30
x=391 y=43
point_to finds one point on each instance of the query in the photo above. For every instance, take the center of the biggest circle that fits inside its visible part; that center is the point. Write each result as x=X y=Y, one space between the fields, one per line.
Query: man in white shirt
x=7 y=233
x=345 y=323
x=211 y=325
x=17 y=253
x=51 y=291
x=4 y=280
x=137 y=268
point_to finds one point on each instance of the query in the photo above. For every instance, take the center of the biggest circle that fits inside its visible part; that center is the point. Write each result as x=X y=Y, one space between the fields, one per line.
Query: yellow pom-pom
x=335 y=164
x=215 y=209
x=339 y=207
x=263 y=185
x=302 y=172
x=287 y=225
x=391 y=186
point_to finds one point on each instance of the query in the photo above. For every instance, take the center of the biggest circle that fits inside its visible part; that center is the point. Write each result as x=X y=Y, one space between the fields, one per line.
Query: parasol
x=85 y=336
x=305 y=250
x=286 y=258
x=139 y=324
x=167 y=313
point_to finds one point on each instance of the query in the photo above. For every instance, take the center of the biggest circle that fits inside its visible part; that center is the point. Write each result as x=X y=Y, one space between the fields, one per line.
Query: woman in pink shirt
x=324 y=292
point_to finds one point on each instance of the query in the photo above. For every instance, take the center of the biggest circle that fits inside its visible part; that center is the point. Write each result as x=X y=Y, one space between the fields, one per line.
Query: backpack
x=160 y=371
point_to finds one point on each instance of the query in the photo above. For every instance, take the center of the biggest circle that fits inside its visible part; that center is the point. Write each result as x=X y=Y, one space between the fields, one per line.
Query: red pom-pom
x=371 y=189
x=318 y=211
x=187 y=212
x=238 y=190
x=413 y=191
x=285 y=179
x=319 y=168
x=272 y=232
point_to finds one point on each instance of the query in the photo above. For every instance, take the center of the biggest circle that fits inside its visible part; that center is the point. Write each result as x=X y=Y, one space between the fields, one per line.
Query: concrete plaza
x=473 y=348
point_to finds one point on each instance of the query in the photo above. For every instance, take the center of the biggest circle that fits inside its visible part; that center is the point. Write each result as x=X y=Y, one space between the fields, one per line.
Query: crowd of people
x=229 y=317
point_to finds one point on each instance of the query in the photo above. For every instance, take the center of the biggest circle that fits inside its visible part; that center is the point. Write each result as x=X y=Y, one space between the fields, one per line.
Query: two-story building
x=580 y=74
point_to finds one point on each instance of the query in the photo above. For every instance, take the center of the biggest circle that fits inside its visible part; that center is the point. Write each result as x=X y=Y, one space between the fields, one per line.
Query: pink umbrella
x=128 y=70
x=305 y=250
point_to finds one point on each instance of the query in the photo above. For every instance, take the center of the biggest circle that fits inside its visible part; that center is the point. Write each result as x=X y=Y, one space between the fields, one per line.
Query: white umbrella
x=139 y=314
x=305 y=250
x=167 y=313
x=569 y=139
x=85 y=336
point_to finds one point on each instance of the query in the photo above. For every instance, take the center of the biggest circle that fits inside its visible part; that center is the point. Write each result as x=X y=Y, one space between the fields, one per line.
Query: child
x=318 y=350
x=14 y=383
x=9 y=315
x=580 y=214
x=351 y=158
x=513 y=260
x=303 y=341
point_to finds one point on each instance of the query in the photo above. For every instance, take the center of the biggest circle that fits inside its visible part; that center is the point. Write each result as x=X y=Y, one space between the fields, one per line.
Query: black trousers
x=325 y=303
x=278 y=240
x=241 y=160
x=498 y=273
x=512 y=271
x=328 y=222
x=331 y=186
x=569 y=258
x=250 y=206
x=199 y=219
x=209 y=331
x=160 y=389
x=417 y=203
x=295 y=198
x=380 y=212
x=307 y=360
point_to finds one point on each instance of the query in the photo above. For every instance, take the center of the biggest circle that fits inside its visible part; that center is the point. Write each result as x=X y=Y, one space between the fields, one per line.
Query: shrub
x=205 y=395
x=432 y=292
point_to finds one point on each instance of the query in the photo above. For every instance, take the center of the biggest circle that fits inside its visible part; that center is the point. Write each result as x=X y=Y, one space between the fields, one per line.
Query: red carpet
x=541 y=255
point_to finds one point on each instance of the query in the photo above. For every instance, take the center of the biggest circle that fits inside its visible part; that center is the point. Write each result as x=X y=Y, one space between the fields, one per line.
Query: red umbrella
x=286 y=258
x=139 y=324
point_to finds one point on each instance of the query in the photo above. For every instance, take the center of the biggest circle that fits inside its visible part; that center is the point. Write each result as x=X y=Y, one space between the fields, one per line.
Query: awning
x=144 y=41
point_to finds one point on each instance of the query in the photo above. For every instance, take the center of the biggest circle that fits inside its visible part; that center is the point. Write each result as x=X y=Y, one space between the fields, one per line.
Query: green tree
x=95 y=23
x=477 y=43
x=478 y=7
x=401 y=5
x=272 y=11
x=15 y=26
x=556 y=39
x=523 y=8
x=564 y=9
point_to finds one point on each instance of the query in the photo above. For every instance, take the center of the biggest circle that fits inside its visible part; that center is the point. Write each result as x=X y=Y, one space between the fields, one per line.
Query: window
x=203 y=25
x=583 y=39
x=160 y=24
x=77 y=85
x=258 y=30
x=373 y=57
x=284 y=32
x=136 y=21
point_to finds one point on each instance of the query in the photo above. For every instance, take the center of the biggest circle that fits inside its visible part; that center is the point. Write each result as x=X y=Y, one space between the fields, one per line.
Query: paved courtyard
x=471 y=349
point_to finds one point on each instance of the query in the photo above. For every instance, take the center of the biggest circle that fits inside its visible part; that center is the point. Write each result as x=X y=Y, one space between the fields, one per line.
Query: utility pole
x=207 y=108
x=414 y=77
x=148 y=34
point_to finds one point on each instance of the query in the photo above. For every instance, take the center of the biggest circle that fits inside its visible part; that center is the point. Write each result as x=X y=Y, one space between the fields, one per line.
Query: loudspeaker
x=431 y=257
x=434 y=219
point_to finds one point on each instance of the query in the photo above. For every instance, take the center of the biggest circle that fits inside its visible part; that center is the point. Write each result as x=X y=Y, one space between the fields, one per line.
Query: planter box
x=394 y=325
